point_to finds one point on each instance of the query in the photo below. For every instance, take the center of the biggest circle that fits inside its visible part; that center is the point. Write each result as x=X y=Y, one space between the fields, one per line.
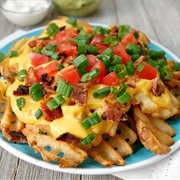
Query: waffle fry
x=106 y=108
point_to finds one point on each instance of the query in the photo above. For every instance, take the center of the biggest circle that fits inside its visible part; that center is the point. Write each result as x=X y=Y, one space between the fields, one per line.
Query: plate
x=141 y=158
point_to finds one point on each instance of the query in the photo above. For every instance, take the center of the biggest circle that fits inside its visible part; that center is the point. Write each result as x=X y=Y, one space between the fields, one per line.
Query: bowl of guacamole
x=77 y=8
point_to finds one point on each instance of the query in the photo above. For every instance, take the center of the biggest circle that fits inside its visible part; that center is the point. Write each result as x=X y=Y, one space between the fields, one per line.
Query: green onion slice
x=20 y=103
x=124 y=98
x=13 y=54
x=38 y=114
x=59 y=67
x=176 y=66
x=81 y=61
x=55 y=102
x=91 y=120
x=72 y=21
x=165 y=73
x=49 y=49
x=123 y=30
x=92 y=49
x=36 y=92
x=52 y=29
x=140 y=67
x=64 y=88
x=90 y=75
x=88 y=139
x=101 y=92
x=21 y=75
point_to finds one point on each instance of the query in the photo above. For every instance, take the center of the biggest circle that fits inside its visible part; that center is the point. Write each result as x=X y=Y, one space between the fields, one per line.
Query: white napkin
x=168 y=168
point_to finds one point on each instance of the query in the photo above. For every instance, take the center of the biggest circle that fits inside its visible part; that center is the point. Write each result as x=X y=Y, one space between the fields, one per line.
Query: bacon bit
x=79 y=95
x=47 y=79
x=138 y=61
x=48 y=114
x=31 y=77
x=114 y=31
x=21 y=90
x=157 y=87
x=113 y=111
x=68 y=138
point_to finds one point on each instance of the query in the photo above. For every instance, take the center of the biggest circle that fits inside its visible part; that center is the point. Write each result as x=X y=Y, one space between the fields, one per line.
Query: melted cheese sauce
x=144 y=86
x=73 y=115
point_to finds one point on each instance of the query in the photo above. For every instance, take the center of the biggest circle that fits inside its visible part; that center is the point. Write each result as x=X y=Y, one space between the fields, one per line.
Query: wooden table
x=159 y=19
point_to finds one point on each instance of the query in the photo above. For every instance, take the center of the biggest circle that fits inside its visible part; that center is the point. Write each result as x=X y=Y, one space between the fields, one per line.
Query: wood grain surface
x=159 y=19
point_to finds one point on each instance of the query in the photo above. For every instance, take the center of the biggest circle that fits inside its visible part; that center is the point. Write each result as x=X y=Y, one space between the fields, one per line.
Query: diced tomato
x=67 y=48
x=110 y=79
x=97 y=38
x=94 y=62
x=129 y=39
x=100 y=46
x=71 y=75
x=149 y=72
x=121 y=51
x=38 y=59
x=66 y=35
x=50 y=69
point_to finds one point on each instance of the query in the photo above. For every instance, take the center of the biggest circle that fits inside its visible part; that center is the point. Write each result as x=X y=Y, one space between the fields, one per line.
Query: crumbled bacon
x=114 y=111
x=48 y=114
x=114 y=31
x=79 y=95
x=31 y=77
x=68 y=138
x=21 y=90
x=157 y=87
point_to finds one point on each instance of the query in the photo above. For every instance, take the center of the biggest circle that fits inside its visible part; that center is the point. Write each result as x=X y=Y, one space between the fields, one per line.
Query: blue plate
x=141 y=158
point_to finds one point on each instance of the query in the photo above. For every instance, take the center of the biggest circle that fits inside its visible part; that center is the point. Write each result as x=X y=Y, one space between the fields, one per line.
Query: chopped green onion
x=81 y=47
x=36 y=92
x=52 y=29
x=91 y=49
x=123 y=30
x=38 y=114
x=91 y=120
x=117 y=60
x=13 y=54
x=165 y=73
x=59 y=67
x=20 y=103
x=136 y=34
x=1 y=56
x=155 y=54
x=120 y=70
x=140 y=67
x=119 y=91
x=21 y=75
x=55 y=102
x=133 y=49
x=64 y=88
x=90 y=75
x=111 y=40
x=81 y=61
x=36 y=50
x=101 y=92
x=176 y=66
x=109 y=52
x=81 y=70
x=130 y=68
x=55 y=56
x=49 y=49
x=124 y=98
x=88 y=139
x=72 y=21
x=105 y=59
x=99 y=30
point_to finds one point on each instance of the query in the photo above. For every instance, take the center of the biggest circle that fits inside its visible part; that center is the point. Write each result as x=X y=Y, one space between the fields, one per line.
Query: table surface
x=158 y=19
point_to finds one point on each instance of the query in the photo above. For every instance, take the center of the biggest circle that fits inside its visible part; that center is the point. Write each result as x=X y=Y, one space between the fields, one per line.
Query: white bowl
x=25 y=16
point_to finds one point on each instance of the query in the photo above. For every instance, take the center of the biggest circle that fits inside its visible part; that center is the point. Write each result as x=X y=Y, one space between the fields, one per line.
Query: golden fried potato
x=146 y=136
x=51 y=149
